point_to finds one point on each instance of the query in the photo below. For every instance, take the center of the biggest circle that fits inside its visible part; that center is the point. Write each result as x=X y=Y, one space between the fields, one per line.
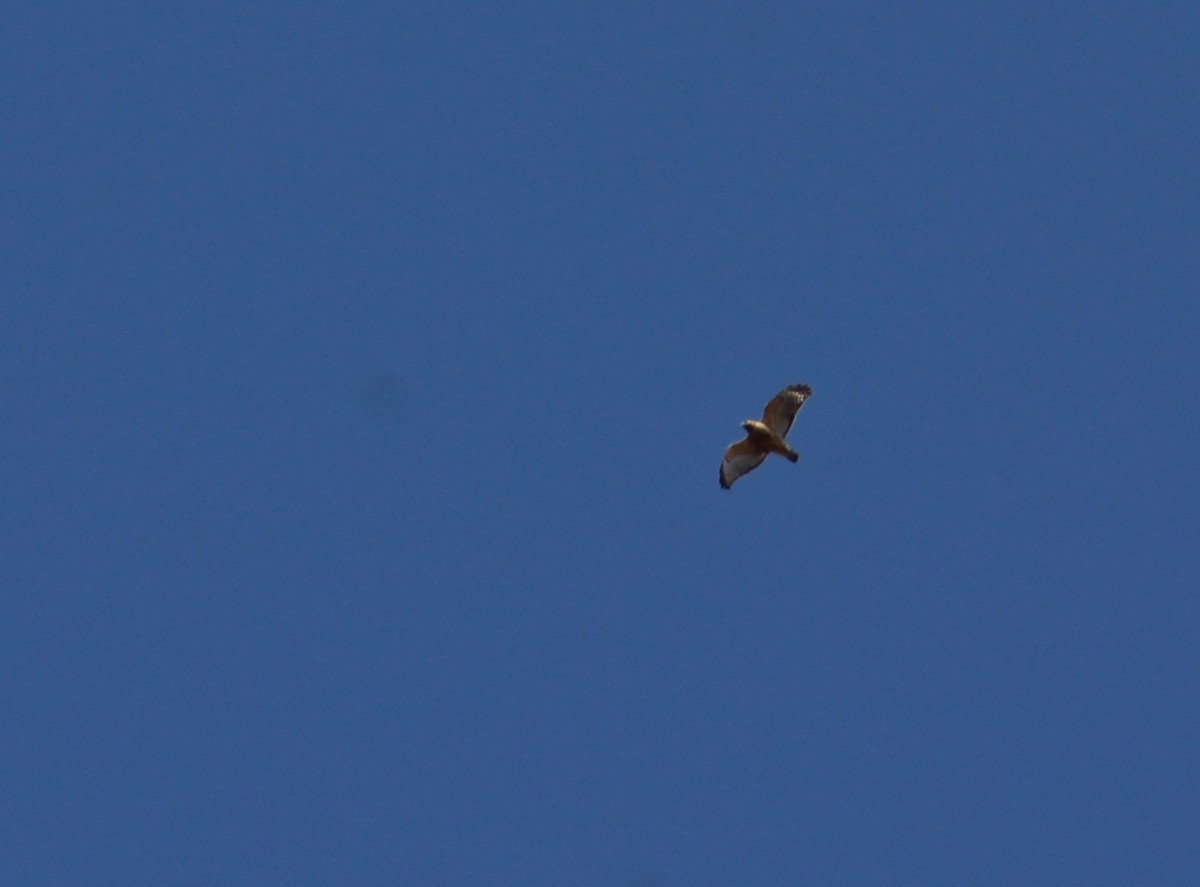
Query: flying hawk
x=766 y=436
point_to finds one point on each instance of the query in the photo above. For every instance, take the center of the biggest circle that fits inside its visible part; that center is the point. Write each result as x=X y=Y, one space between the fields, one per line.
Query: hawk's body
x=765 y=437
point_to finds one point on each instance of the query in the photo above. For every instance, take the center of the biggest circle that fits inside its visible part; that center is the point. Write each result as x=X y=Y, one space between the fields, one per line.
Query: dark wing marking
x=741 y=457
x=782 y=408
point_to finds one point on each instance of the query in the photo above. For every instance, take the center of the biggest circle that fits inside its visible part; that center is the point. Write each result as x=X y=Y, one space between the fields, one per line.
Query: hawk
x=766 y=436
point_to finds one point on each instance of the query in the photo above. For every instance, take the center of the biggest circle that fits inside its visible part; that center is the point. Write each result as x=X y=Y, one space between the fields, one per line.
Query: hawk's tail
x=792 y=456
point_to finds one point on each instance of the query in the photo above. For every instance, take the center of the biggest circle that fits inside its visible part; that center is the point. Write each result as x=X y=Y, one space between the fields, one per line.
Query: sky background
x=365 y=370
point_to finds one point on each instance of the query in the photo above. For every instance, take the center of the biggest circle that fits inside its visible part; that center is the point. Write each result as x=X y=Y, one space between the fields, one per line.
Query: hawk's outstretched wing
x=782 y=408
x=740 y=458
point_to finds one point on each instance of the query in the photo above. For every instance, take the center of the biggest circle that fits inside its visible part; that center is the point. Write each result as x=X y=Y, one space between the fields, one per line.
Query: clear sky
x=365 y=370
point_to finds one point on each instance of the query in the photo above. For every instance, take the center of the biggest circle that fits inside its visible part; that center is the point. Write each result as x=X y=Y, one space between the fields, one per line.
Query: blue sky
x=365 y=371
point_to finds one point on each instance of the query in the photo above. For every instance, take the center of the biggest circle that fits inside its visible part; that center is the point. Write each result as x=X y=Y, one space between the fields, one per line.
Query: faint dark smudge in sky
x=381 y=394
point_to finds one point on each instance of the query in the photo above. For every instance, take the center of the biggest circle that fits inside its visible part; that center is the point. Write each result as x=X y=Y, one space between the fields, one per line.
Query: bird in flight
x=766 y=436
